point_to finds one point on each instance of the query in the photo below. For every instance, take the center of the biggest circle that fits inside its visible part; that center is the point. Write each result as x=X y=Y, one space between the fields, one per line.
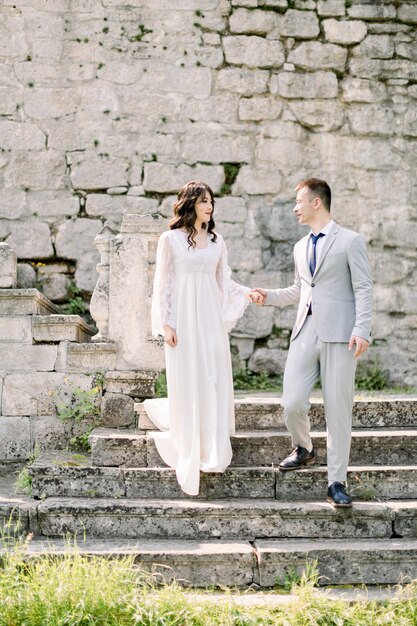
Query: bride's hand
x=170 y=336
x=258 y=295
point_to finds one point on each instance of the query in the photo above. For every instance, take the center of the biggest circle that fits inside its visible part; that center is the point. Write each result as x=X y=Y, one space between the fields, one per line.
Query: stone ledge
x=56 y=328
x=86 y=357
x=215 y=519
x=138 y=384
x=25 y=302
x=368 y=561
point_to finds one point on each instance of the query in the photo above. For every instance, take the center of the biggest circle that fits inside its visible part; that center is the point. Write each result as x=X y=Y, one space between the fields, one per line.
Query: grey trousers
x=308 y=357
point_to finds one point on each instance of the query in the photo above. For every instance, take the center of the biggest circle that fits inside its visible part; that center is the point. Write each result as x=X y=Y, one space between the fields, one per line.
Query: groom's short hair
x=320 y=188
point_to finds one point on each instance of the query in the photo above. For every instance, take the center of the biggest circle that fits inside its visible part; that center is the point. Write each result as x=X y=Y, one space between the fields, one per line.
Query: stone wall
x=110 y=106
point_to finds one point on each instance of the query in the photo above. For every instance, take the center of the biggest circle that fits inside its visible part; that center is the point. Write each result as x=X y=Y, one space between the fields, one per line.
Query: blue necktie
x=313 y=258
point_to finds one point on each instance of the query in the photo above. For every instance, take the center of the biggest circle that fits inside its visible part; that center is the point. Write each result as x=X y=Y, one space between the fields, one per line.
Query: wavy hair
x=184 y=210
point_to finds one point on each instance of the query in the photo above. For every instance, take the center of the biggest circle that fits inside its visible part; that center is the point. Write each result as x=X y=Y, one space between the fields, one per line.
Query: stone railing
x=120 y=304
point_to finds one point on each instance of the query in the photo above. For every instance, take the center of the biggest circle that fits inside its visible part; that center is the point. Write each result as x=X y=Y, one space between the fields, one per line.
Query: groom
x=333 y=291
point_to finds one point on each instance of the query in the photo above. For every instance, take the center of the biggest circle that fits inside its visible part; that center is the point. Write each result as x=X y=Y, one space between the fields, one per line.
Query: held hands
x=170 y=336
x=361 y=345
x=257 y=295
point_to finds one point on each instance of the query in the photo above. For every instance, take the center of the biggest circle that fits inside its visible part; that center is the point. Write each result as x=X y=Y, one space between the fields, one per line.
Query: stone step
x=25 y=302
x=254 y=413
x=55 y=328
x=72 y=475
x=23 y=357
x=257 y=448
x=86 y=357
x=266 y=562
x=218 y=519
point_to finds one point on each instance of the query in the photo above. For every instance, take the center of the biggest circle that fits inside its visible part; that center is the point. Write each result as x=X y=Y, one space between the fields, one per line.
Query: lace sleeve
x=233 y=296
x=163 y=309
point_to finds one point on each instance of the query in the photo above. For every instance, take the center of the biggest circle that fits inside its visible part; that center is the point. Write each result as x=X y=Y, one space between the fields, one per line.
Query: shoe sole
x=339 y=506
x=297 y=467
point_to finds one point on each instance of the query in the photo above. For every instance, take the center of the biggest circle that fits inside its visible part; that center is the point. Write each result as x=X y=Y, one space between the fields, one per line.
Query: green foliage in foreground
x=76 y=590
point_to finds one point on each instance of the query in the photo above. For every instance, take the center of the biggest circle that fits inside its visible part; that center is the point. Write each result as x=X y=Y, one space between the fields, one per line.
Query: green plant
x=370 y=377
x=231 y=170
x=140 y=35
x=161 y=390
x=81 y=442
x=76 y=305
x=81 y=403
x=23 y=482
x=244 y=379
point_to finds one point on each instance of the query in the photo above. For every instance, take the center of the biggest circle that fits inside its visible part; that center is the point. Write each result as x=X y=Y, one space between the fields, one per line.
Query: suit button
x=313 y=284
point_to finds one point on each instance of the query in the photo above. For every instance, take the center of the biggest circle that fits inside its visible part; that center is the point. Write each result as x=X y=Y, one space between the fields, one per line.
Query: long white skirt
x=198 y=415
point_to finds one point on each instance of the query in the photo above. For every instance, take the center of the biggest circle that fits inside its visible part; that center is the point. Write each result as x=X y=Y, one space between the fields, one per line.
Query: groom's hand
x=361 y=345
x=257 y=295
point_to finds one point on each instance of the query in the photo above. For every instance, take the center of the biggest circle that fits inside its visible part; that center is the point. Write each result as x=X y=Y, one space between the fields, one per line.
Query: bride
x=194 y=304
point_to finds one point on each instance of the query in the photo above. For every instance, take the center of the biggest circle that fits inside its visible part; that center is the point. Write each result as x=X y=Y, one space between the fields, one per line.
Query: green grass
x=77 y=590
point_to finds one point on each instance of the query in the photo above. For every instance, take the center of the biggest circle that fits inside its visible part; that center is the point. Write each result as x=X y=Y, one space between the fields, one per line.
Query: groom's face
x=304 y=206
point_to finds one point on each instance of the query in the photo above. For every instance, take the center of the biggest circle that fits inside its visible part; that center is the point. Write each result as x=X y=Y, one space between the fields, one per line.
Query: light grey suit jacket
x=340 y=289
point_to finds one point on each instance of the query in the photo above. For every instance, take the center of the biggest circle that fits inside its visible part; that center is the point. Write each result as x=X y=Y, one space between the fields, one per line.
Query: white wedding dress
x=194 y=294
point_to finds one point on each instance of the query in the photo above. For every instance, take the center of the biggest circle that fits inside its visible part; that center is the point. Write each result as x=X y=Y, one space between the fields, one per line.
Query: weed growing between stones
x=76 y=305
x=161 y=390
x=23 y=483
x=82 y=404
x=231 y=170
x=370 y=376
x=74 y=589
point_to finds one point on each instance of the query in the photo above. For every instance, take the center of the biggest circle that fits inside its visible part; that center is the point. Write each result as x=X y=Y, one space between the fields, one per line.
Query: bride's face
x=203 y=208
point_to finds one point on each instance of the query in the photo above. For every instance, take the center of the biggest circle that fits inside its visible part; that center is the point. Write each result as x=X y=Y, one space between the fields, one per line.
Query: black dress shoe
x=337 y=496
x=298 y=457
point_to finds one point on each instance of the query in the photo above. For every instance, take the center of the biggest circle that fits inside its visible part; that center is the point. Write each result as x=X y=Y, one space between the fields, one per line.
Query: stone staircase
x=251 y=524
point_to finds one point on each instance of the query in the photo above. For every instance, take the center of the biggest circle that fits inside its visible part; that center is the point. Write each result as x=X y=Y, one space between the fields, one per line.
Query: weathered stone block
x=14 y=438
x=137 y=384
x=31 y=240
x=117 y=410
x=218 y=147
x=32 y=170
x=344 y=31
x=56 y=287
x=162 y=177
x=8 y=266
x=331 y=8
x=39 y=393
x=253 y=51
x=75 y=240
x=42 y=103
x=100 y=204
x=12 y=36
x=259 y=180
x=256 y=323
x=376 y=47
x=372 y=120
x=88 y=357
x=254 y=22
x=51 y=433
x=300 y=24
x=13 y=204
x=15 y=329
x=53 y=203
x=55 y=328
x=258 y=108
x=115 y=448
x=315 y=55
x=268 y=360
x=98 y=174
x=244 y=254
x=407 y=13
x=242 y=81
x=24 y=357
x=314 y=85
x=376 y=12
x=21 y=136
x=319 y=115
x=70 y=475
x=24 y=302
x=230 y=209
x=26 y=276
x=362 y=90
x=216 y=108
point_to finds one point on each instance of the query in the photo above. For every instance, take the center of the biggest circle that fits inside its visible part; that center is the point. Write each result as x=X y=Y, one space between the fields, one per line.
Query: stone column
x=8 y=267
x=99 y=305
x=132 y=260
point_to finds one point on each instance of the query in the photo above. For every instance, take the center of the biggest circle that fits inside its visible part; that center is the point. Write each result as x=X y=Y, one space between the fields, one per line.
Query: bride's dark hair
x=184 y=210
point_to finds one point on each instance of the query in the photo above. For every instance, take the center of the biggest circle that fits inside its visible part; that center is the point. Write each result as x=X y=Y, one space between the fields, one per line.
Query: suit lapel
x=303 y=256
x=330 y=239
